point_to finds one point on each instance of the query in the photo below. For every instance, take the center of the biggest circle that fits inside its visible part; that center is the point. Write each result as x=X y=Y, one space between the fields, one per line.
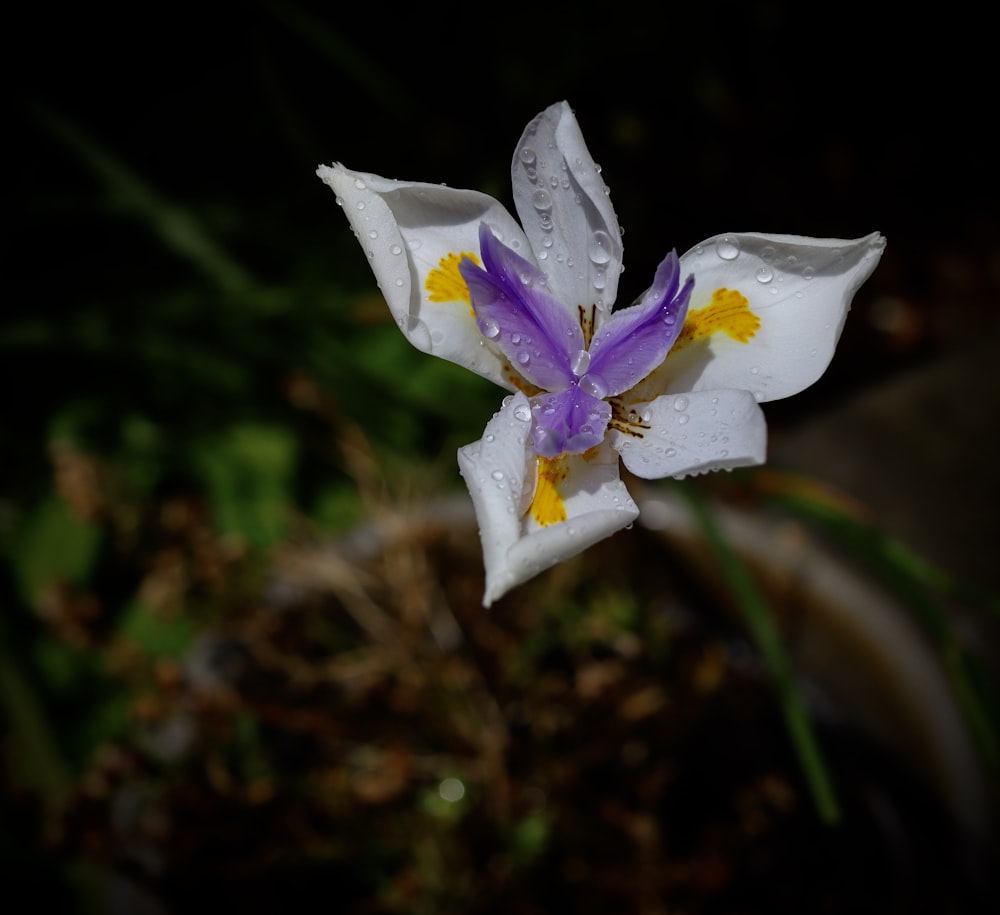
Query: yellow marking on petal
x=729 y=312
x=446 y=284
x=547 y=506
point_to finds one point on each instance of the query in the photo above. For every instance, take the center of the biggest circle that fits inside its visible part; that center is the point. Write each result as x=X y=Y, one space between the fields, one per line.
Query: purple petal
x=568 y=422
x=635 y=340
x=514 y=309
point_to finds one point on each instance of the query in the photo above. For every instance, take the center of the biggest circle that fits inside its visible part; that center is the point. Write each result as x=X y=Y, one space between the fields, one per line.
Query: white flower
x=670 y=384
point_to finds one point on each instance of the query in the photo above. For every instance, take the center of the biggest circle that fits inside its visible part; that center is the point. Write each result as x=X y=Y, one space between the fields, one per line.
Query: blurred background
x=202 y=382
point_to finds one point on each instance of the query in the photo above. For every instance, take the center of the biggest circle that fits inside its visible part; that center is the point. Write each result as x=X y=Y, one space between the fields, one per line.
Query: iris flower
x=670 y=385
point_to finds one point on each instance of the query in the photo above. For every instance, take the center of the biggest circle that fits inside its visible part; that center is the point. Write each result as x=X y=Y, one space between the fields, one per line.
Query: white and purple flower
x=671 y=384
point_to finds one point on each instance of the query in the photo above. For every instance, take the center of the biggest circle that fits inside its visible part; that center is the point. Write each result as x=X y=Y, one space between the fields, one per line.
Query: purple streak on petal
x=635 y=340
x=514 y=309
x=568 y=422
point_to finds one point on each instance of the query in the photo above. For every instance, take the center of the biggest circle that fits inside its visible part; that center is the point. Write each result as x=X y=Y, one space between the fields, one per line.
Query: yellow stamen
x=547 y=507
x=445 y=283
x=729 y=312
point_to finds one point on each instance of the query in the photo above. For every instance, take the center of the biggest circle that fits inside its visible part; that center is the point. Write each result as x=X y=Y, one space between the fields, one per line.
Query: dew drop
x=489 y=328
x=594 y=385
x=541 y=201
x=600 y=247
x=360 y=204
x=372 y=234
x=359 y=184
x=764 y=274
x=671 y=452
x=522 y=413
x=754 y=370
x=808 y=273
x=497 y=475
x=683 y=419
x=728 y=247
x=523 y=357
x=580 y=362
x=395 y=249
x=680 y=403
x=527 y=155
x=490 y=437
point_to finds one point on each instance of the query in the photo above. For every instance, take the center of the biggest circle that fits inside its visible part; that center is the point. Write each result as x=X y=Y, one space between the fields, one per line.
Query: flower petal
x=414 y=235
x=635 y=340
x=515 y=311
x=566 y=212
x=682 y=434
x=568 y=422
x=500 y=471
x=795 y=292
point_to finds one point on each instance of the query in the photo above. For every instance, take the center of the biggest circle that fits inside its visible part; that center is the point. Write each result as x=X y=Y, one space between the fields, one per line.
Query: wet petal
x=570 y=421
x=500 y=471
x=566 y=211
x=683 y=434
x=635 y=340
x=797 y=289
x=414 y=235
x=518 y=314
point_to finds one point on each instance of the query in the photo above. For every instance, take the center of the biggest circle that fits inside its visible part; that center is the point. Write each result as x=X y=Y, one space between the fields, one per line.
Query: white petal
x=566 y=211
x=500 y=471
x=406 y=229
x=799 y=288
x=694 y=433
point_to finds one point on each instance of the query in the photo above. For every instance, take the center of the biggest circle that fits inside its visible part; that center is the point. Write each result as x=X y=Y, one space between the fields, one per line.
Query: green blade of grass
x=763 y=630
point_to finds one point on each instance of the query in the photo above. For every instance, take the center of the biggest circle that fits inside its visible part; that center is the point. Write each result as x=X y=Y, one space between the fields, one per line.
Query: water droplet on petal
x=680 y=403
x=728 y=247
x=497 y=475
x=541 y=201
x=600 y=247
x=594 y=385
x=522 y=412
x=580 y=362
x=764 y=274
x=523 y=357
x=489 y=328
x=527 y=155
x=359 y=184
x=372 y=234
x=808 y=272
x=395 y=249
